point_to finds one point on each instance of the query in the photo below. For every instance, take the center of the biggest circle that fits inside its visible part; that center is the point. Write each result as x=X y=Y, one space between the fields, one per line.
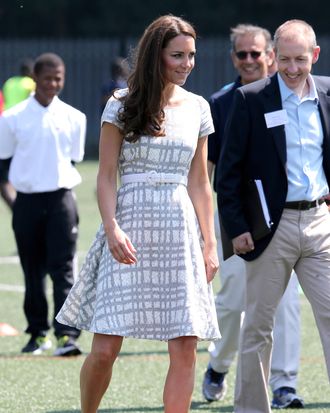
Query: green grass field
x=45 y=384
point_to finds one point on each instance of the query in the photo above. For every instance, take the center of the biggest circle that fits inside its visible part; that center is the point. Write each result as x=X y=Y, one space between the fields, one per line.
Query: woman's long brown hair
x=142 y=112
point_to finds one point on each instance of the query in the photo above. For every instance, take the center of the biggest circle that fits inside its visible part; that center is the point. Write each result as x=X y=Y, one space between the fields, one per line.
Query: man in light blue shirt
x=304 y=137
x=279 y=132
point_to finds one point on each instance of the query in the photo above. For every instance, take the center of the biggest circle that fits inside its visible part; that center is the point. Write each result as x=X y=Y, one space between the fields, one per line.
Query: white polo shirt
x=42 y=141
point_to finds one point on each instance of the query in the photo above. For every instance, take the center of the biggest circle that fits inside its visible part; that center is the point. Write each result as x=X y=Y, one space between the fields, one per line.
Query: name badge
x=276 y=118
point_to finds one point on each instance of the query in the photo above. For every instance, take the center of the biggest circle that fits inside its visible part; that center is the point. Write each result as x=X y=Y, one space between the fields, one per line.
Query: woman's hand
x=121 y=247
x=211 y=261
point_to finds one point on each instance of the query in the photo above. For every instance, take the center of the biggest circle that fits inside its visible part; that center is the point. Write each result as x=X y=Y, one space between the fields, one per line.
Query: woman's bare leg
x=95 y=374
x=180 y=378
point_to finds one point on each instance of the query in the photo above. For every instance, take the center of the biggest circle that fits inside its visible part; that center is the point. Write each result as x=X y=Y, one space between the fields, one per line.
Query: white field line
x=12 y=288
x=9 y=260
x=14 y=260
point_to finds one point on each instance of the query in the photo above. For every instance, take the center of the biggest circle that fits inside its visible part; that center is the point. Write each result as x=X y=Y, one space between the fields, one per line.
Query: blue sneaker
x=286 y=398
x=214 y=385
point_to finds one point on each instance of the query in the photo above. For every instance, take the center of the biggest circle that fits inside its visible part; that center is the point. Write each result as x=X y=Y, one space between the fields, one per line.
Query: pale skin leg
x=180 y=378
x=96 y=372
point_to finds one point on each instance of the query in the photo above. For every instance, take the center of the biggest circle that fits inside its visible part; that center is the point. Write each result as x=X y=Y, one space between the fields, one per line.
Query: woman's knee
x=183 y=349
x=105 y=349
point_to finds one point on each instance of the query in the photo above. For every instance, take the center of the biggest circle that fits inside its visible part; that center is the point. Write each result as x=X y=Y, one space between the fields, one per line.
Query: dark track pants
x=46 y=230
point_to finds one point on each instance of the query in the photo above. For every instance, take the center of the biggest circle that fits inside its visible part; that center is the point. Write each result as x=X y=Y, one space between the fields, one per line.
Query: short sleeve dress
x=165 y=294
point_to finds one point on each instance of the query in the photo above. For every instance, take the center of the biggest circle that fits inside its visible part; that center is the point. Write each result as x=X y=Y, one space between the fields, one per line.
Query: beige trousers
x=302 y=243
x=230 y=304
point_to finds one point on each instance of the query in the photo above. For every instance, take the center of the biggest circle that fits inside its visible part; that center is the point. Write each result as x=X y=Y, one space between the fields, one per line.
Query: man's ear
x=271 y=62
x=271 y=57
x=316 y=53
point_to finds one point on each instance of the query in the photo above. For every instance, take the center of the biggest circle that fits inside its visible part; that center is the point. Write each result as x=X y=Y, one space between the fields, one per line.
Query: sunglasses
x=242 y=55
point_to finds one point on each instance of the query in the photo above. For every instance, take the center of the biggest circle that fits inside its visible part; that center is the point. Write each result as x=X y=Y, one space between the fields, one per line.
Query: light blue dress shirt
x=304 y=142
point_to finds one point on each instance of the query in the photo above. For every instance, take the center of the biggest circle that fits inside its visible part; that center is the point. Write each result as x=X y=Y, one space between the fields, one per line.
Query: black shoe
x=37 y=344
x=286 y=398
x=67 y=346
x=214 y=385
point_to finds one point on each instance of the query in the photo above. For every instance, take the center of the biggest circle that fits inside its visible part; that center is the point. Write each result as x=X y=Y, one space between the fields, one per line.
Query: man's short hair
x=300 y=28
x=250 y=30
x=47 y=59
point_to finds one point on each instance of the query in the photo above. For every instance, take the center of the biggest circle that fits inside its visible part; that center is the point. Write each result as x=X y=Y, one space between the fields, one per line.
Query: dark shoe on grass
x=37 y=345
x=214 y=385
x=286 y=398
x=67 y=346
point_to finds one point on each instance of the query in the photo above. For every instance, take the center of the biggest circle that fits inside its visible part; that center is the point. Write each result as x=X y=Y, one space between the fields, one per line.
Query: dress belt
x=154 y=178
x=303 y=205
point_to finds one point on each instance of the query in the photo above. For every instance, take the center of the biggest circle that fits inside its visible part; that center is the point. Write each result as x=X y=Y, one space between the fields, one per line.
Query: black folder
x=257 y=215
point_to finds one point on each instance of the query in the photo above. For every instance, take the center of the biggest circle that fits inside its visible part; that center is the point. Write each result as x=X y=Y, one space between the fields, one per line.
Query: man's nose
x=292 y=67
x=249 y=58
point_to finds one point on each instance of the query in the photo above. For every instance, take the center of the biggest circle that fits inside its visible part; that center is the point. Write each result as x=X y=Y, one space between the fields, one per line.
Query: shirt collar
x=286 y=92
x=48 y=108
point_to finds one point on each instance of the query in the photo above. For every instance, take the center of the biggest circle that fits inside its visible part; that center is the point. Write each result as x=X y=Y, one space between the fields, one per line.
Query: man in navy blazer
x=279 y=132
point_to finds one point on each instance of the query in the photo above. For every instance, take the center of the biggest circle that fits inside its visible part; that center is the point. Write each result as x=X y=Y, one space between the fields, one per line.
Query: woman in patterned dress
x=149 y=271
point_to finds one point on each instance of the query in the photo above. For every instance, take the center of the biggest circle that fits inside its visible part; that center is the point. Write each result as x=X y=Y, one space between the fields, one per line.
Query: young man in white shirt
x=44 y=137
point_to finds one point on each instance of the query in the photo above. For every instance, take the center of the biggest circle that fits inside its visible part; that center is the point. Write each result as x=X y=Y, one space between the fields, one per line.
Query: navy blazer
x=253 y=151
x=220 y=104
